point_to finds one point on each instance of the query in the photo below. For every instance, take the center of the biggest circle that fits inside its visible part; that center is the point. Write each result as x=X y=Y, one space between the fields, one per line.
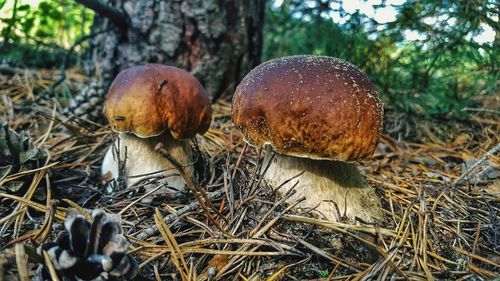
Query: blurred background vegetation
x=431 y=58
x=38 y=33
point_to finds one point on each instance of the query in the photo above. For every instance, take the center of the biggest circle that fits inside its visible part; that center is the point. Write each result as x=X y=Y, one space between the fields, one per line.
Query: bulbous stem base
x=324 y=184
x=142 y=161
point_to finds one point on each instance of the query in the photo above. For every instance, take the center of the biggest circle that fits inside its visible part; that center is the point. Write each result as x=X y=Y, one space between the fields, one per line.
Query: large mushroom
x=151 y=104
x=318 y=114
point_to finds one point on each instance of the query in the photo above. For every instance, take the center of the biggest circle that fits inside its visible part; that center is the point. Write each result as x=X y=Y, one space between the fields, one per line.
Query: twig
x=191 y=182
x=140 y=198
x=172 y=217
x=286 y=196
x=258 y=234
x=240 y=158
x=481 y=110
x=477 y=257
x=338 y=225
x=494 y=225
x=50 y=266
x=115 y=15
x=487 y=155
x=176 y=255
x=205 y=202
x=21 y=262
x=379 y=265
x=328 y=256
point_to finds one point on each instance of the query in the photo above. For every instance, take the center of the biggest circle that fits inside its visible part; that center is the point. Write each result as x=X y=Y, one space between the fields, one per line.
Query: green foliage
x=324 y=273
x=38 y=34
x=438 y=75
x=33 y=55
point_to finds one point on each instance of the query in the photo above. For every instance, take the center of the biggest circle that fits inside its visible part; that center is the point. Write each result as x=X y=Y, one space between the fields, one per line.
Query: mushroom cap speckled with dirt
x=316 y=113
x=310 y=106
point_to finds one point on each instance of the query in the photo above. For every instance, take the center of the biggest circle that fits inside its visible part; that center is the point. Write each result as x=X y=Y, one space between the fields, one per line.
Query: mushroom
x=319 y=114
x=151 y=104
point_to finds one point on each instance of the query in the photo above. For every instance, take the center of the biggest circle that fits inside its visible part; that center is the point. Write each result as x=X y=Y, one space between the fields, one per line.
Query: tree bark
x=217 y=41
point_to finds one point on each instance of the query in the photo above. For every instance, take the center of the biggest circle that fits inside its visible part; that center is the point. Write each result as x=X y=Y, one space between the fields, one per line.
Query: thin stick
x=487 y=155
x=51 y=125
x=140 y=198
x=22 y=262
x=205 y=202
x=50 y=266
x=172 y=217
x=240 y=158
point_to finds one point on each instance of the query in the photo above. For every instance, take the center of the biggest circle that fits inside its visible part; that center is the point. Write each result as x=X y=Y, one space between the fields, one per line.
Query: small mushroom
x=151 y=104
x=318 y=114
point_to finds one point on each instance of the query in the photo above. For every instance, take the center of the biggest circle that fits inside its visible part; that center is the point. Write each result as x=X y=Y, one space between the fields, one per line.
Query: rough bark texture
x=217 y=41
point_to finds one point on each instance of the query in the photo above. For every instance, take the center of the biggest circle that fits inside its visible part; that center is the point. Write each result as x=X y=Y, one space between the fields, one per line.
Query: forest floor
x=441 y=217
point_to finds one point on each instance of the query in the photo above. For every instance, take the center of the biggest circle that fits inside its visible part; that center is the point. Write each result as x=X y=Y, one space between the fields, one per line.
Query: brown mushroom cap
x=309 y=106
x=149 y=99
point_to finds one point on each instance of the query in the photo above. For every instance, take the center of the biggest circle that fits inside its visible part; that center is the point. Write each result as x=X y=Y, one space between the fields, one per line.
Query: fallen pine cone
x=94 y=250
x=18 y=154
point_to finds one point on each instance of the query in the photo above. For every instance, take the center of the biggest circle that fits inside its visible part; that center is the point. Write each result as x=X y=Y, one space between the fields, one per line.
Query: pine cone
x=18 y=154
x=88 y=103
x=90 y=251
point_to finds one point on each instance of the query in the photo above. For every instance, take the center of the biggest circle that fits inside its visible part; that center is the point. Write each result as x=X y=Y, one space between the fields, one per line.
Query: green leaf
x=55 y=14
x=24 y=7
x=41 y=33
x=44 y=7
x=8 y=20
x=28 y=24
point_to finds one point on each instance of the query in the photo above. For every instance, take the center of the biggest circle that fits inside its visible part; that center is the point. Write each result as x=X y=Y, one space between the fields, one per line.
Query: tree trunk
x=217 y=41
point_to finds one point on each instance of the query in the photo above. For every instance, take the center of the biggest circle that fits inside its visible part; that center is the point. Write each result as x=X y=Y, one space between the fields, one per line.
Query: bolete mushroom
x=318 y=114
x=151 y=104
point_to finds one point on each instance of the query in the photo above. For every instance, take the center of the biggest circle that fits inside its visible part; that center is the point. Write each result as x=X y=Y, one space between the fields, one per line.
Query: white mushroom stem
x=141 y=159
x=322 y=183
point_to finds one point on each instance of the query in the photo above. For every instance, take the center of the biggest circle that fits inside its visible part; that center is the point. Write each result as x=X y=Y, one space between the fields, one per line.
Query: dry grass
x=242 y=228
